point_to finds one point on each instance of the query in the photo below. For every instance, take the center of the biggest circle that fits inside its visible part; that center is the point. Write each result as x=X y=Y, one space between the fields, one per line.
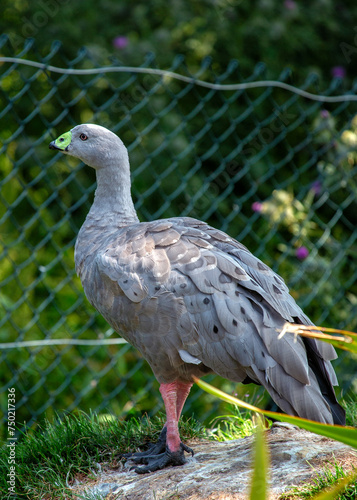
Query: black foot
x=154 y=449
x=158 y=456
x=158 y=462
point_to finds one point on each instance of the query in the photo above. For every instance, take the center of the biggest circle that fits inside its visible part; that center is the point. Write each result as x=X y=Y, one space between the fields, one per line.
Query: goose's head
x=94 y=145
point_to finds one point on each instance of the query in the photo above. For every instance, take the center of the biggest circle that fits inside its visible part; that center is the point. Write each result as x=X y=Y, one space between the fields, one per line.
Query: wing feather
x=221 y=305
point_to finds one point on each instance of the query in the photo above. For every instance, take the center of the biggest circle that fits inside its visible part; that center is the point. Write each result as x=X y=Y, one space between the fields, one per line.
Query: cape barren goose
x=192 y=299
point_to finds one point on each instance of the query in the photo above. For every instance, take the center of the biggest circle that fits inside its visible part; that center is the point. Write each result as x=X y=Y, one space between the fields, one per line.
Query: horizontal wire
x=48 y=342
x=187 y=79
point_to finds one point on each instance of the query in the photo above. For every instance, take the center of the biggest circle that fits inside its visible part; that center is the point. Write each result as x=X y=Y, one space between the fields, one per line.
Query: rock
x=222 y=471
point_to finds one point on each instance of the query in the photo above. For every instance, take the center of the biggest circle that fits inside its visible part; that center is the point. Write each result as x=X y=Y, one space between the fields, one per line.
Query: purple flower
x=120 y=42
x=338 y=72
x=316 y=187
x=324 y=114
x=301 y=253
x=290 y=4
x=257 y=206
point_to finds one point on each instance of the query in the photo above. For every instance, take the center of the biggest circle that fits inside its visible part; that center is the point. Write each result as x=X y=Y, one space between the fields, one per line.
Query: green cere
x=64 y=140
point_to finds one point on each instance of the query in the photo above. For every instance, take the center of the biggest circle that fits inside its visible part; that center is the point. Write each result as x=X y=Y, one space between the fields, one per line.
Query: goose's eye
x=83 y=137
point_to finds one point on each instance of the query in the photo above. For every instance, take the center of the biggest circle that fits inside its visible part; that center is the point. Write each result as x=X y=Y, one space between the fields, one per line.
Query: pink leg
x=183 y=390
x=174 y=396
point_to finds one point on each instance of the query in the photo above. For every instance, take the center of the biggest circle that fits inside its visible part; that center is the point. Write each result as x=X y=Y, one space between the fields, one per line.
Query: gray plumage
x=192 y=299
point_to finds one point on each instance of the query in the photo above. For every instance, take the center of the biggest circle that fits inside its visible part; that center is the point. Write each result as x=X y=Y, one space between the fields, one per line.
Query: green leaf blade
x=259 y=485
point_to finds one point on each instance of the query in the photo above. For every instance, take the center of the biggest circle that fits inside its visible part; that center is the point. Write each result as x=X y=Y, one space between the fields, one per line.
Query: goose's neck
x=113 y=203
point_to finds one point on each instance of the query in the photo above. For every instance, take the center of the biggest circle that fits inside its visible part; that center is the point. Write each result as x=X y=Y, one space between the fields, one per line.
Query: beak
x=62 y=142
x=52 y=145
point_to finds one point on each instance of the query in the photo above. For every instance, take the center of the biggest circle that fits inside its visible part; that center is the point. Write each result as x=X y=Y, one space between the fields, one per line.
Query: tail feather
x=315 y=400
x=320 y=368
x=294 y=397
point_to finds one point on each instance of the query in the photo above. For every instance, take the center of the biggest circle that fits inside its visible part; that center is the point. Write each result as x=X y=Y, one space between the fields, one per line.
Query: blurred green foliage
x=304 y=36
x=272 y=169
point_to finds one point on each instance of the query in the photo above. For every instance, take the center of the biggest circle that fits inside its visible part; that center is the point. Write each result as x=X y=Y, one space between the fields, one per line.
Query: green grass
x=235 y=426
x=351 y=411
x=329 y=477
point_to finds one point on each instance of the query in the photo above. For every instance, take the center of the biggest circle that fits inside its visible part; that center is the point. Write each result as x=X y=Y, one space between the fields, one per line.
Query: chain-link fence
x=273 y=169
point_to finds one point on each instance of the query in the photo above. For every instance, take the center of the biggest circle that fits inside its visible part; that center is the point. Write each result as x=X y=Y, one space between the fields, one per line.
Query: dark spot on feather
x=262 y=266
x=215 y=329
x=239 y=271
x=157 y=287
x=135 y=294
x=235 y=322
x=206 y=300
x=263 y=354
x=276 y=290
x=125 y=281
x=174 y=290
x=191 y=266
x=183 y=285
x=237 y=293
x=224 y=278
x=242 y=310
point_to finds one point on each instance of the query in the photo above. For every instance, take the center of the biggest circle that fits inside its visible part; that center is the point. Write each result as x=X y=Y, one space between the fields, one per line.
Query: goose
x=192 y=300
